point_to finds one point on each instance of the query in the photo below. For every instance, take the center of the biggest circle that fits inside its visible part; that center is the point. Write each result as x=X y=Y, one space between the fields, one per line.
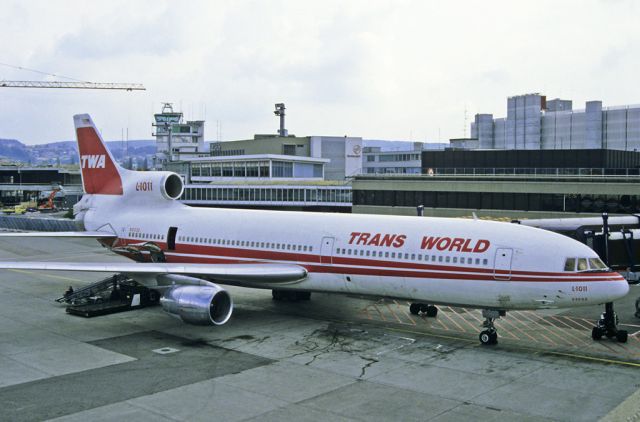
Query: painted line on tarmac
x=535 y=351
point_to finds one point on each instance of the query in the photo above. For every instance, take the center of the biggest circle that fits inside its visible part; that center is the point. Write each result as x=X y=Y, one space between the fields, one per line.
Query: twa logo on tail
x=92 y=161
x=100 y=173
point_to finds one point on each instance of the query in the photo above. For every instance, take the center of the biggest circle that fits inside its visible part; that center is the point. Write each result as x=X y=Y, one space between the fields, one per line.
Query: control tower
x=175 y=139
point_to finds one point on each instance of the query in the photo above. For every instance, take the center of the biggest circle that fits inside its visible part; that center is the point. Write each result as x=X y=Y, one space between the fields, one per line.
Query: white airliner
x=182 y=251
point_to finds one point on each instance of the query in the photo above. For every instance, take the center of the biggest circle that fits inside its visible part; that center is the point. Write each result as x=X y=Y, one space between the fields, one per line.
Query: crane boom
x=76 y=85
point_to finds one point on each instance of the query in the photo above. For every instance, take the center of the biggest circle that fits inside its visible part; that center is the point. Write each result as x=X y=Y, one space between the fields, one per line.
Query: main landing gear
x=429 y=310
x=489 y=335
x=607 y=326
x=290 y=295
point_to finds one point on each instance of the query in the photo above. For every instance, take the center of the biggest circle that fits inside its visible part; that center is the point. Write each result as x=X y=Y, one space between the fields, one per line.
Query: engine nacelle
x=199 y=305
x=147 y=184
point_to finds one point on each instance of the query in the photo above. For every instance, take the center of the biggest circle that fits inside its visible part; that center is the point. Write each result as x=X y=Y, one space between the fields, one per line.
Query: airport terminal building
x=533 y=122
x=508 y=183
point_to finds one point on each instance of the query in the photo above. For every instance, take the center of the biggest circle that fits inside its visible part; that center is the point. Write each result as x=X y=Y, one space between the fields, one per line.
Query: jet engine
x=168 y=184
x=171 y=185
x=198 y=305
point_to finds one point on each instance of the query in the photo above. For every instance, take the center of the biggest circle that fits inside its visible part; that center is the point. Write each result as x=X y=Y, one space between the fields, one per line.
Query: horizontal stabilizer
x=88 y=235
x=249 y=273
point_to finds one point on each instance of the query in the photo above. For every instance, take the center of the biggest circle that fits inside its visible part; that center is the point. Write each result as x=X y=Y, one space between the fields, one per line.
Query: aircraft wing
x=265 y=273
x=86 y=234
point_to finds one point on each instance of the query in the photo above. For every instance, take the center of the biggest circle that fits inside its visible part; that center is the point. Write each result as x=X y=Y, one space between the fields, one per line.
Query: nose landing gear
x=607 y=326
x=489 y=335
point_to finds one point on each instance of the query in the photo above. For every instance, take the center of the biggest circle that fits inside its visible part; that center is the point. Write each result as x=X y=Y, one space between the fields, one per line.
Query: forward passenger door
x=502 y=264
x=326 y=250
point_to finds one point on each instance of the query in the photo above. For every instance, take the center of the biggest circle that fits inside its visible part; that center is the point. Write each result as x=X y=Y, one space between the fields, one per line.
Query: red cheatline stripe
x=387 y=268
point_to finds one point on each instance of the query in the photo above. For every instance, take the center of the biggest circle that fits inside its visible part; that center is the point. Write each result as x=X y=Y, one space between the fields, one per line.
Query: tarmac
x=331 y=358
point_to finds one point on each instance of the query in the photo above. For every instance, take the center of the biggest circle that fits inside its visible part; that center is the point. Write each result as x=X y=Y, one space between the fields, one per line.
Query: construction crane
x=76 y=85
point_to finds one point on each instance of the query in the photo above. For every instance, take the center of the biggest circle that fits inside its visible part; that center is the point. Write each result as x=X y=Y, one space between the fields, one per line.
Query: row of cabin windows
x=584 y=264
x=247 y=243
x=413 y=256
x=151 y=236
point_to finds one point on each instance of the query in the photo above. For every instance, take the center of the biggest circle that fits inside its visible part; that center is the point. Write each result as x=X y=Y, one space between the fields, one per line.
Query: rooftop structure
x=342 y=156
x=377 y=161
x=175 y=138
x=532 y=123
x=257 y=167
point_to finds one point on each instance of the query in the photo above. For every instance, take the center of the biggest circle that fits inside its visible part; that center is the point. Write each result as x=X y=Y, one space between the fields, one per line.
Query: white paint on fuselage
x=534 y=250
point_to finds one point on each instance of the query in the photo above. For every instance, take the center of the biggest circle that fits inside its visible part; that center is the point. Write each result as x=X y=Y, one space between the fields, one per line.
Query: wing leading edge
x=250 y=273
x=87 y=234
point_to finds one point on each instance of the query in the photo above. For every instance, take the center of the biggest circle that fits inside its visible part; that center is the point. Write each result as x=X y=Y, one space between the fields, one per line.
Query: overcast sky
x=403 y=70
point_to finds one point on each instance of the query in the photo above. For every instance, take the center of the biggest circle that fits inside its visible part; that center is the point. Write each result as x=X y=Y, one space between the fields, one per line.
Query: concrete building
x=278 y=171
x=344 y=154
x=532 y=123
x=266 y=181
x=377 y=161
x=385 y=157
x=293 y=195
x=176 y=139
x=510 y=184
x=258 y=167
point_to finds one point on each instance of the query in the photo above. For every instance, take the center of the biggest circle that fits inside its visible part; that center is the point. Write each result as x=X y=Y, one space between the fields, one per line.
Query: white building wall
x=500 y=133
x=353 y=156
x=528 y=127
x=633 y=128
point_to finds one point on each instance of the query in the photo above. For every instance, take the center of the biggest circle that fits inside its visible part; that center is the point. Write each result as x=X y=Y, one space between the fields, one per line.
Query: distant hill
x=14 y=150
x=66 y=152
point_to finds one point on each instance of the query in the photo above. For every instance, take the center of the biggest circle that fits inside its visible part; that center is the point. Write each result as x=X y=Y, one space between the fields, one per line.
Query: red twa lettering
x=362 y=240
x=387 y=239
x=375 y=240
x=428 y=242
x=481 y=246
x=399 y=241
x=443 y=243
x=456 y=244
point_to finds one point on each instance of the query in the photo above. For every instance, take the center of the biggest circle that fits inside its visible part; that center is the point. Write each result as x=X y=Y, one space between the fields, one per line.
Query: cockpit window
x=596 y=264
x=582 y=264
x=570 y=264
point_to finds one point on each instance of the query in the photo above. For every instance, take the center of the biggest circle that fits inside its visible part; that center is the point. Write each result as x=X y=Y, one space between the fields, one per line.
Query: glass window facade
x=282 y=169
x=271 y=195
x=261 y=169
x=500 y=201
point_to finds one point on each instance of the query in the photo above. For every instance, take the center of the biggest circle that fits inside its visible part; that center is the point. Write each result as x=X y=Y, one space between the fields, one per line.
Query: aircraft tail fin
x=101 y=174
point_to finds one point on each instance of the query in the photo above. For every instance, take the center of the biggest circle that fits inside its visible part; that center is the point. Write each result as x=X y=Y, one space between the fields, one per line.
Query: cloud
x=380 y=69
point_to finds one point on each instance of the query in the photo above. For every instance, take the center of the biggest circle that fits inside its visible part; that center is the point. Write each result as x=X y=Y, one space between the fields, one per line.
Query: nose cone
x=619 y=288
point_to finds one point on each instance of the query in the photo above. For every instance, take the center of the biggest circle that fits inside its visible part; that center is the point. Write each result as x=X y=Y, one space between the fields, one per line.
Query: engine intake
x=198 y=305
x=172 y=186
